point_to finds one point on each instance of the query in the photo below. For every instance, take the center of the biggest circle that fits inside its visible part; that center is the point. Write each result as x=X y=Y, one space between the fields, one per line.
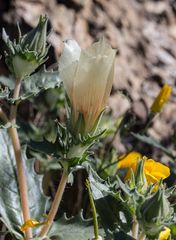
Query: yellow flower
x=31 y=223
x=164 y=235
x=162 y=97
x=87 y=76
x=129 y=160
x=154 y=171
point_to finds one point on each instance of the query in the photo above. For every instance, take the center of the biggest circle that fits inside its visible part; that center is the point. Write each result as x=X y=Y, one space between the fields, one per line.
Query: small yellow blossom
x=154 y=171
x=164 y=235
x=162 y=97
x=129 y=160
x=31 y=223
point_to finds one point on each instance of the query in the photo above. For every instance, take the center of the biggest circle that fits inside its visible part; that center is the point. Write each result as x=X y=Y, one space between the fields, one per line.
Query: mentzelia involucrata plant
x=136 y=208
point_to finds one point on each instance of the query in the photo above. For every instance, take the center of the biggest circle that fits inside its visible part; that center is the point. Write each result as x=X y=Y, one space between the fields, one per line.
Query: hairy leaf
x=10 y=207
x=73 y=228
x=33 y=85
x=112 y=210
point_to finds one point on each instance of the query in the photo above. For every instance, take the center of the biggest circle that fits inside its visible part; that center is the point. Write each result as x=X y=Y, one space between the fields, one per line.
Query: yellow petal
x=162 y=97
x=31 y=223
x=155 y=169
x=164 y=235
x=150 y=178
x=129 y=160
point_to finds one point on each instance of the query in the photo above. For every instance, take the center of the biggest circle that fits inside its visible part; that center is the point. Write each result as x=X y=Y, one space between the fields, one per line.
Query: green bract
x=28 y=52
x=155 y=212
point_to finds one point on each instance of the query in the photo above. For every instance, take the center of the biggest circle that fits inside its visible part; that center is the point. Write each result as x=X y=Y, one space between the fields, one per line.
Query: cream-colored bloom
x=87 y=76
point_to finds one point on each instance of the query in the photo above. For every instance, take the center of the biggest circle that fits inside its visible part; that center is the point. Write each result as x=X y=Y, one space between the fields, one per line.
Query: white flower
x=87 y=76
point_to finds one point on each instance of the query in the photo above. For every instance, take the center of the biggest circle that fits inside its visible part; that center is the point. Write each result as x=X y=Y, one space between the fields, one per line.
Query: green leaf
x=32 y=85
x=98 y=185
x=154 y=143
x=10 y=207
x=73 y=228
x=112 y=211
x=40 y=81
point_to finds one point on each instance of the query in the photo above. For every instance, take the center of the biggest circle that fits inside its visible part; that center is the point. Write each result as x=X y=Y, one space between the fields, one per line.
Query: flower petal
x=164 y=235
x=70 y=54
x=91 y=81
x=129 y=160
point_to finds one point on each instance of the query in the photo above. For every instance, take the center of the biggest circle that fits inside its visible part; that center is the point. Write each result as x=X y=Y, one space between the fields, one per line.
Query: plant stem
x=135 y=228
x=142 y=236
x=56 y=203
x=19 y=162
x=94 y=213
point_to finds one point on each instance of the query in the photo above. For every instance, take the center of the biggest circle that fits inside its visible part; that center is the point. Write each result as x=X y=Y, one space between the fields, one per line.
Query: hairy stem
x=19 y=162
x=56 y=203
x=135 y=228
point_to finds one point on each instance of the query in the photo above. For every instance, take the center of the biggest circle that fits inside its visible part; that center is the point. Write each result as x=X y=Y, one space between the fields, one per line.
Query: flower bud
x=140 y=178
x=154 y=212
x=29 y=52
x=87 y=76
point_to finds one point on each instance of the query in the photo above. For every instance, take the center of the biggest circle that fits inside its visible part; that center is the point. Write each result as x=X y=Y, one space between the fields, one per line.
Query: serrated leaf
x=10 y=207
x=73 y=228
x=32 y=85
x=98 y=186
x=154 y=143
x=112 y=210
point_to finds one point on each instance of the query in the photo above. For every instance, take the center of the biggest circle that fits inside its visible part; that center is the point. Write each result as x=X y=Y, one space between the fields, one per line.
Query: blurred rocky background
x=144 y=33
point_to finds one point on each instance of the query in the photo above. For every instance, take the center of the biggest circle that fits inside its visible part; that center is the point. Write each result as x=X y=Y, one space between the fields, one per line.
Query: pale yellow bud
x=87 y=76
